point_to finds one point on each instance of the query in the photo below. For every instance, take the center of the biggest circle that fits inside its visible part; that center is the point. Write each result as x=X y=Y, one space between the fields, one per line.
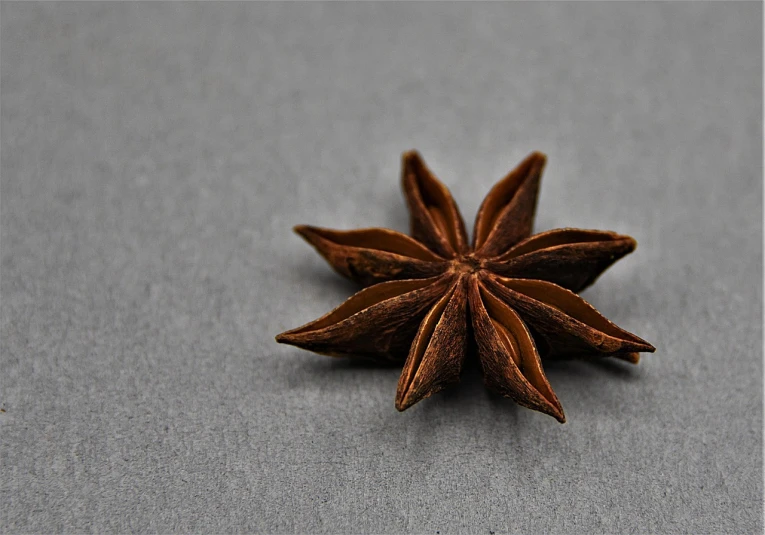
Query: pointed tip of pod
x=411 y=160
x=558 y=415
x=303 y=230
x=539 y=157
x=406 y=398
x=310 y=234
x=286 y=337
x=642 y=347
x=630 y=244
x=282 y=338
x=553 y=408
x=401 y=406
x=296 y=339
x=409 y=154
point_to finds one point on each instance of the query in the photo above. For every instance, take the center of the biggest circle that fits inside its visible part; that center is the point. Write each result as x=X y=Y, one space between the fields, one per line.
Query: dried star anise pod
x=513 y=293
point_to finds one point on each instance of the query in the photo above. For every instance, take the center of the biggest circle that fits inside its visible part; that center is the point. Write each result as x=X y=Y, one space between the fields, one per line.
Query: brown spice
x=515 y=294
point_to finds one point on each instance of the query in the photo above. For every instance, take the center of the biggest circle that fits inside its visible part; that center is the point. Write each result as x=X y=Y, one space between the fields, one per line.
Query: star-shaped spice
x=435 y=297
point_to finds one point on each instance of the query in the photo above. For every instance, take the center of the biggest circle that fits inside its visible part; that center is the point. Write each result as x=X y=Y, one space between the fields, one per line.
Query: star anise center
x=468 y=263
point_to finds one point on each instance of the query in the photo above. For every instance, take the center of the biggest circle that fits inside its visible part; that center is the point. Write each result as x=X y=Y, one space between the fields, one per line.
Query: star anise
x=427 y=295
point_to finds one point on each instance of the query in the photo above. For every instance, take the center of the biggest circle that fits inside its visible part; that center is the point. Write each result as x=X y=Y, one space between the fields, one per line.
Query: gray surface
x=155 y=157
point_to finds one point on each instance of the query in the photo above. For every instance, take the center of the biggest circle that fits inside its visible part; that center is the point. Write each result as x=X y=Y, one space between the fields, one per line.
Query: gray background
x=155 y=157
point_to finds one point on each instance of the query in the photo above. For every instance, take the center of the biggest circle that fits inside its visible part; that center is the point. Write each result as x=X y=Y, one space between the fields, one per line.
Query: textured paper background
x=155 y=157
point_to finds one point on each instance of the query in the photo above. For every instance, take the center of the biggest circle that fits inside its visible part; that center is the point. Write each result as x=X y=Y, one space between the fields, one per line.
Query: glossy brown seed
x=512 y=292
